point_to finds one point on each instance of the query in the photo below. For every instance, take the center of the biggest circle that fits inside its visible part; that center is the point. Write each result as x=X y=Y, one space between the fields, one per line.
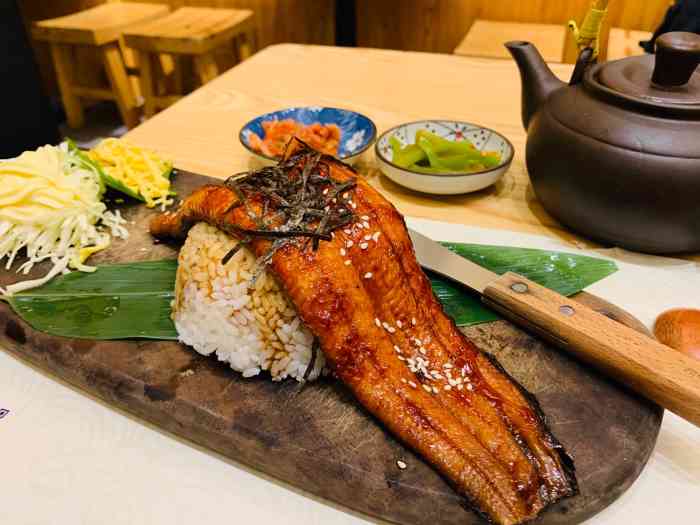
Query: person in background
x=28 y=119
x=683 y=15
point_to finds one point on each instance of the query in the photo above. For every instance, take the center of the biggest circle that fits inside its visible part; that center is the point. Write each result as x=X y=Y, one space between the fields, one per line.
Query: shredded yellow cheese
x=50 y=206
x=142 y=171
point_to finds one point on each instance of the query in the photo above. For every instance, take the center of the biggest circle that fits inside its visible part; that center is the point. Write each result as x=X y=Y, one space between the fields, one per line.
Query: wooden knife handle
x=656 y=371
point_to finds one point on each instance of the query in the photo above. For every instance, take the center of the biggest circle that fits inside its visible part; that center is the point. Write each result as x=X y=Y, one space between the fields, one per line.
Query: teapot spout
x=538 y=81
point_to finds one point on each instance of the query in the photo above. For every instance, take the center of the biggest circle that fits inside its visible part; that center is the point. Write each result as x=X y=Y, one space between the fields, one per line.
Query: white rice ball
x=219 y=310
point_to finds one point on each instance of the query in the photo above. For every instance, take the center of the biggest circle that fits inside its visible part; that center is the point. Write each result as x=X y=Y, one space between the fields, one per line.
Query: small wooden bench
x=486 y=39
x=197 y=32
x=100 y=27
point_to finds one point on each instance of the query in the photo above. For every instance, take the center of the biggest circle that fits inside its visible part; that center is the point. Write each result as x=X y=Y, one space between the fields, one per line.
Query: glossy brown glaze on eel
x=364 y=296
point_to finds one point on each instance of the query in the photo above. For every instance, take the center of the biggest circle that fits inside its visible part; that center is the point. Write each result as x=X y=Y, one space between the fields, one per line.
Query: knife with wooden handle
x=652 y=369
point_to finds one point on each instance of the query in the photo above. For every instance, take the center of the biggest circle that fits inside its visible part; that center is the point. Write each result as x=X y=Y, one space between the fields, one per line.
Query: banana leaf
x=565 y=273
x=117 y=301
x=132 y=300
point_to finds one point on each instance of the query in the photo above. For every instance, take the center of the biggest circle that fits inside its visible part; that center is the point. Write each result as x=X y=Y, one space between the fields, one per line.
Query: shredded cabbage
x=50 y=205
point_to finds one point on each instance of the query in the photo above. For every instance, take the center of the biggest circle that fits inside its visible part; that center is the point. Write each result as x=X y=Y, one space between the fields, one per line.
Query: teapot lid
x=669 y=78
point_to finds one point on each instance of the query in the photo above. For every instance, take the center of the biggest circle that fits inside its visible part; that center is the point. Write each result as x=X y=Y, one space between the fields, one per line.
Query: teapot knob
x=677 y=57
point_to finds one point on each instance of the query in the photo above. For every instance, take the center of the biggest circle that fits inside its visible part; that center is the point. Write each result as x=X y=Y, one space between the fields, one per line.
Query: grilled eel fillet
x=385 y=335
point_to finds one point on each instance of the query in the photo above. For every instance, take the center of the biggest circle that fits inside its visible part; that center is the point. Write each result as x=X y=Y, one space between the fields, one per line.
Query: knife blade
x=656 y=371
x=435 y=257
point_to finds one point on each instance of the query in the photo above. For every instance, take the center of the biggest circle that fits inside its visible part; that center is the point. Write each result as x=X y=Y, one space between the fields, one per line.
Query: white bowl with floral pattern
x=484 y=139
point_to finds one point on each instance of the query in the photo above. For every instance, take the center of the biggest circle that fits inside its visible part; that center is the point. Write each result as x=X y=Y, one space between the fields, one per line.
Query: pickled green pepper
x=434 y=154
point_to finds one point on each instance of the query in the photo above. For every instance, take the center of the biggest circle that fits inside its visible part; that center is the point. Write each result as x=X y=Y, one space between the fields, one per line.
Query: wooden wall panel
x=414 y=25
x=540 y=11
x=636 y=15
x=439 y=25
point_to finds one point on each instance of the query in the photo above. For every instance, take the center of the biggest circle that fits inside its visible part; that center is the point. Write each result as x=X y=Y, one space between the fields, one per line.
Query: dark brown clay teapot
x=615 y=155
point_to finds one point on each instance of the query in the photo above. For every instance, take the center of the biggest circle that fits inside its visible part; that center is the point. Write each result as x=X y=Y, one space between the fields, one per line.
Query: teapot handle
x=677 y=58
x=585 y=59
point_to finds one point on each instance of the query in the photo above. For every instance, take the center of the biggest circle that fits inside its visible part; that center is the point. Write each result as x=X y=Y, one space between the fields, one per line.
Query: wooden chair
x=99 y=27
x=490 y=24
x=195 y=32
x=486 y=37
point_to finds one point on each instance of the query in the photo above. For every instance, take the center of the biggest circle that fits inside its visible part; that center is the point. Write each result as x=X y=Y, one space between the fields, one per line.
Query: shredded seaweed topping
x=233 y=251
x=297 y=199
x=315 y=347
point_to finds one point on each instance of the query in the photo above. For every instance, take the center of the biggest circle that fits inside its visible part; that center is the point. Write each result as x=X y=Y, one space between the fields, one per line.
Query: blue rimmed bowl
x=357 y=132
x=484 y=139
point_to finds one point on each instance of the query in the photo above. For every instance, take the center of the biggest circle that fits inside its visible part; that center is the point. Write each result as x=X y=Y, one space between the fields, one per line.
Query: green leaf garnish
x=117 y=301
x=132 y=300
x=565 y=273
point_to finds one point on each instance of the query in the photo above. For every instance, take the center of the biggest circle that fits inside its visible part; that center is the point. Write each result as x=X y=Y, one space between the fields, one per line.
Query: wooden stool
x=486 y=39
x=191 y=31
x=100 y=27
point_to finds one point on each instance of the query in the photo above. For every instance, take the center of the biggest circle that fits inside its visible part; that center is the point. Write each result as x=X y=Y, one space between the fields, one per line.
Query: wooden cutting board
x=318 y=438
